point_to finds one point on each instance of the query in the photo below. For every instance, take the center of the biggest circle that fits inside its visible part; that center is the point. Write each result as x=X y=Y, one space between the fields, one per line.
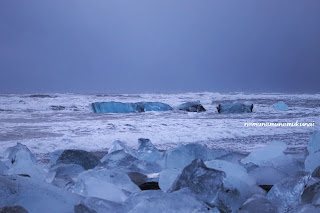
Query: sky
x=164 y=46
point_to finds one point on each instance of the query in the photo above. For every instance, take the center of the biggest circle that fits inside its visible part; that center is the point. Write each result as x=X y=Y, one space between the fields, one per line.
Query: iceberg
x=287 y=194
x=147 y=151
x=183 y=155
x=280 y=106
x=235 y=107
x=80 y=157
x=267 y=175
x=106 y=184
x=312 y=161
x=167 y=178
x=35 y=196
x=194 y=106
x=204 y=182
x=314 y=142
x=119 y=107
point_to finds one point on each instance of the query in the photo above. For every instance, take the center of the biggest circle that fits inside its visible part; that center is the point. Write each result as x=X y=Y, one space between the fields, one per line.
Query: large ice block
x=120 y=160
x=310 y=192
x=236 y=176
x=111 y=185
x=167 y=178
x=287 y=194
x=183 y=155
x=258 y=203
x=235 y=107
x=119 y=145
x=81 y=157
x=267 y=175
x=281 y=106
x=118 y=107
x=312 y=161
x=194 y=106
x=314 y=142
x=35 y=196
x=204 y=182
x=147 y=151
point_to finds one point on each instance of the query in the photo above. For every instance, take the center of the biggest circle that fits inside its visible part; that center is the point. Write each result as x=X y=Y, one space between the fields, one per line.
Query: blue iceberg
x=235 y=107
x=118 y=107
x=194 y=106
x=281 y=106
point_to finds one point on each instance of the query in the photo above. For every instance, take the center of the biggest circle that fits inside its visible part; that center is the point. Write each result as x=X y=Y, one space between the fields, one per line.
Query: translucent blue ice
x=235 y=107
x=281 y=106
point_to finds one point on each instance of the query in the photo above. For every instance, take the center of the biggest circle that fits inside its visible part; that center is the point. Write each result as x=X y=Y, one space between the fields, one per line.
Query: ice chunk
x=306 y=209
x=236 y=176
x=310 y=192
x=181 y=201
x=235 y=107
x=119 y=145
x=35 y=196
x=312 y=162
x=316 y=172
x=13 y=209
x=204 y=182
x=137 y=178
x=266 y=155
x=280 y=106
x=147 y=151
x=103 y=206
x=106 y=184
x=314 y=142
x=118 y=107
x=287 y=194
x=64 y=175
x=55 y=155
x=258 y=203
x=80 y=208
x=167 y=178
x=182 y=156
x=83 y=158
x=120 y=160
x=3 y=167
x=194 y=106
x=22 y=161
x=267 y=175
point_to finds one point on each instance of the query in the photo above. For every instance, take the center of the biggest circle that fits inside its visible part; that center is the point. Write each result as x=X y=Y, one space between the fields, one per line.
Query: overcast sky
x=159 y=46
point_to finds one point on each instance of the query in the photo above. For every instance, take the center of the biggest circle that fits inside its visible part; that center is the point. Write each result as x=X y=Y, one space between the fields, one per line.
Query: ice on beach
x=63 y=175
x=204 y=182
x=119 y=145
x=258 y=203
x=3 y=167
x=235 y=107
x=35 y=196
x=183 y=155
x=314 y=142
x=306 y=209
x=120 y=160
x=102 y=206
x=118 y=107
x=194 y=106
x=287 y=194
x=281 y=106
x=147 y=151
x=54 y=156
x=310 y=192
x=236 y=176
x=21 y=161
x=266 y=155
x=111 y=185
x=267 y=175
x=312 y=161
x=167 y=178
x=181 y=201
x=81 y=157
